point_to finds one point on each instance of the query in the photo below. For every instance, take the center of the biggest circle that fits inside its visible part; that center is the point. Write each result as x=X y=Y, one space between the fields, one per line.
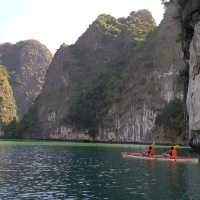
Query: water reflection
x=151 y=164
x=193 y=180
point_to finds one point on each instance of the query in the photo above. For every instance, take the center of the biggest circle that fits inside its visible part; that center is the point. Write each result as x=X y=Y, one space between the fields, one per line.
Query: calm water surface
x=35 y=171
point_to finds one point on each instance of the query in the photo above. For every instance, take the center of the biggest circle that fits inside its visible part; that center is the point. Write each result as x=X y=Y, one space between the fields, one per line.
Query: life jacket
x=151 y=152
x=174 y=153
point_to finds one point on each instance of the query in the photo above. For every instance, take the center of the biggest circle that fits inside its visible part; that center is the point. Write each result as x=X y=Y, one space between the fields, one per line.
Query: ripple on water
x=91 y=173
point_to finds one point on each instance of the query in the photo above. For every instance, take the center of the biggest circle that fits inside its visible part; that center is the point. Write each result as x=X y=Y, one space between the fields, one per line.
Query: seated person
x=150 y=152
x=172 y=153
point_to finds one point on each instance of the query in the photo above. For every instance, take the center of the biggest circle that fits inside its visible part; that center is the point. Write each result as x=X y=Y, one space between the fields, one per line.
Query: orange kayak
x=178 y=159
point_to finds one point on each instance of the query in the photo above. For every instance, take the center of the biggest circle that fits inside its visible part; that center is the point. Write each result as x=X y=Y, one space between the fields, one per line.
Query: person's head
x=172 y=148
x=150 y=147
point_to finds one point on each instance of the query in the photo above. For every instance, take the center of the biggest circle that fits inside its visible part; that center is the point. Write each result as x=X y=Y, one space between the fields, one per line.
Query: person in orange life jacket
x=150 y=152
x=172 y=153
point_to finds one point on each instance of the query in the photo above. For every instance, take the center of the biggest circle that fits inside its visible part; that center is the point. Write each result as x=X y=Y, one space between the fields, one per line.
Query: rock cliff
x=152 y=90
x=84 y=79
x=26 y=63
x=124 y=80
x=191 y=21
x=189 y=16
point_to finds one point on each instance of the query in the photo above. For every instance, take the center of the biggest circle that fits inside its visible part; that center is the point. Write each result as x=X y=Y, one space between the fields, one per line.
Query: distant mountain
x=27 y=63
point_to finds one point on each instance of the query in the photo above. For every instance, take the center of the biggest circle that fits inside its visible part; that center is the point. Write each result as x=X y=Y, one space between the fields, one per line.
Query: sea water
x=60 y=170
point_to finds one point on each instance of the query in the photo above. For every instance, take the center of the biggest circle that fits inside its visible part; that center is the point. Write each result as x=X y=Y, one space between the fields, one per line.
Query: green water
x=59 y=170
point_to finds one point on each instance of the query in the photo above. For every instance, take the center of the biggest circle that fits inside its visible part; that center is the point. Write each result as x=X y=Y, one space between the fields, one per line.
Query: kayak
x=141 y=156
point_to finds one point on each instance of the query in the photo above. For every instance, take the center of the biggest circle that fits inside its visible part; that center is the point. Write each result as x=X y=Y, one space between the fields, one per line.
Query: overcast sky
x=53 y=22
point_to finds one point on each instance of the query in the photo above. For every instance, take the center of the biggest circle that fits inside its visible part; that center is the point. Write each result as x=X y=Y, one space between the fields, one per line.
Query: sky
x=53 y=22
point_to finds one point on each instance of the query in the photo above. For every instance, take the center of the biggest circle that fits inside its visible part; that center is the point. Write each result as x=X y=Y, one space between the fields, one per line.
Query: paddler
x=171 y=153
x=150 y=152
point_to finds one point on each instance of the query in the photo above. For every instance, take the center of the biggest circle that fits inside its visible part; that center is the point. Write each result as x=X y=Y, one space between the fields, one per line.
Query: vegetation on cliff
x=109 y=24
x=7 y=102
x=172 y=117
x=18 y=129
x=137 y=24
x=94 y=98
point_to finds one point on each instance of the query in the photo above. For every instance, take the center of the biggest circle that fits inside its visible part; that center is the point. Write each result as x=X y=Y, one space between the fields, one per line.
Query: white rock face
x=133 y=126
x=66 y=133
x=193 y=98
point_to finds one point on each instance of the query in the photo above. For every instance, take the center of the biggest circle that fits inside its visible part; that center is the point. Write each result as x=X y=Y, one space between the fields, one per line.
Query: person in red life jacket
x=150 y=152
x=172 y=153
